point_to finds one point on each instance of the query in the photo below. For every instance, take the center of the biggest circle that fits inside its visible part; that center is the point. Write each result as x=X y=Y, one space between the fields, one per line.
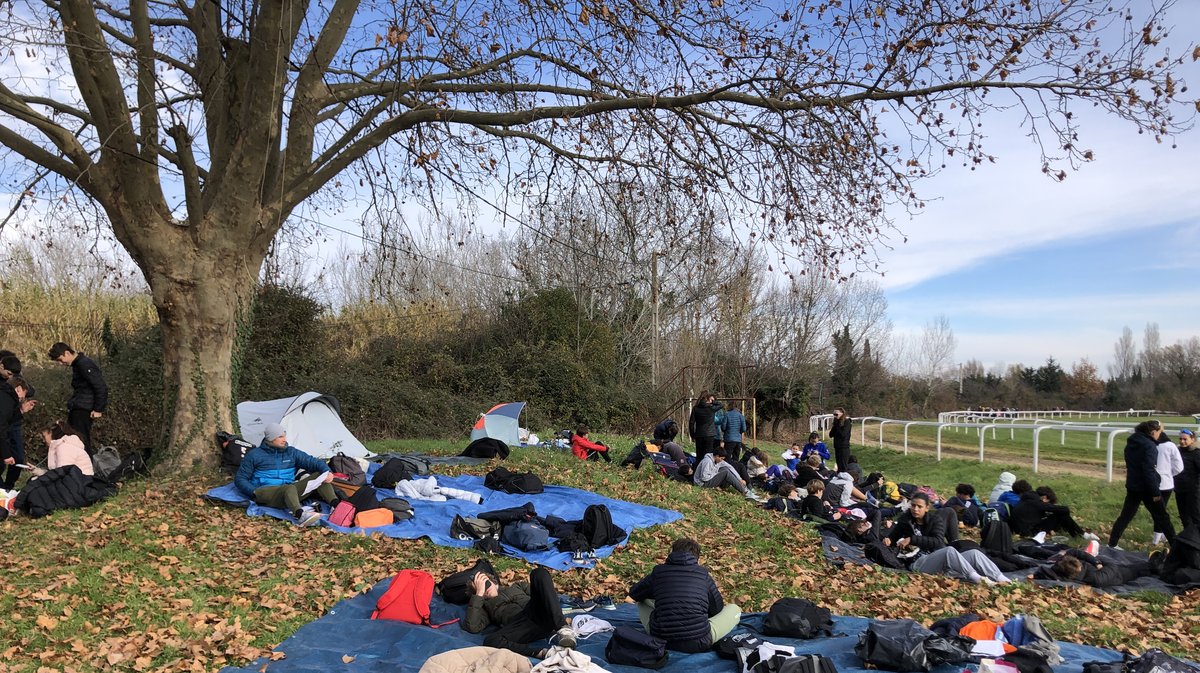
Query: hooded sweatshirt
x=1003 y=486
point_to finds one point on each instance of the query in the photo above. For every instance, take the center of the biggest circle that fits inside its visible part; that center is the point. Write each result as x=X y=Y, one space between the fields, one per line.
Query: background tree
x=199 y=128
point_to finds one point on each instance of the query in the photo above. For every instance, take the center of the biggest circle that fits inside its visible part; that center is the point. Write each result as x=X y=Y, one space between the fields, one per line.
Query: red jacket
x=581 y=445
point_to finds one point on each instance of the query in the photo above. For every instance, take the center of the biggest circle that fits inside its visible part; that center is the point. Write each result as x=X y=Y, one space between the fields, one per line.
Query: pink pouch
x=343 y=515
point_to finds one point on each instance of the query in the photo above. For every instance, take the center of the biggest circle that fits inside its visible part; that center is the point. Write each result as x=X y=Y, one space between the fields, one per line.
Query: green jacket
x=482 y=612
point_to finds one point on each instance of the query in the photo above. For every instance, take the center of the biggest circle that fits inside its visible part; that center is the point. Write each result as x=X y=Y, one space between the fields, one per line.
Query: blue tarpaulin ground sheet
x=432 y=519
x=395 y=647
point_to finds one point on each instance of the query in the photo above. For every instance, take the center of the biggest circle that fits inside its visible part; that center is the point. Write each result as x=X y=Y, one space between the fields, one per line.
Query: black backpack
x=526 y=536
x=364 y=499
x=343 y=464
x=808 y=663
x=597 y=527
x=508 y=515
x=391 y=473
x=727 y=647
x=522 y=483
x=233 y=449
x=456 y=588
x=473 y=528
x=486 y=447
x=1156 y=661
x=401 y=509
x=797 y=618
x=883 y=555
x=631 y=647
x=636 y=455
x=132 y=465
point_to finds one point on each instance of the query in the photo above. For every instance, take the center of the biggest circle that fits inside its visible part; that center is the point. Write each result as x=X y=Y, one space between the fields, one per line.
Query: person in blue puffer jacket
x=268 y=476
x=680 y=603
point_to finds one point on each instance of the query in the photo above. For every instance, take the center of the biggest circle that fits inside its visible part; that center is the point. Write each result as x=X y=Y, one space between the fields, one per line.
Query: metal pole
x=654 y=301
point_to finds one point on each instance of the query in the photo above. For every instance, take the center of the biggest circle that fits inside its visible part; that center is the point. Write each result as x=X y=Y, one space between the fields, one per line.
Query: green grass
x=157 y=579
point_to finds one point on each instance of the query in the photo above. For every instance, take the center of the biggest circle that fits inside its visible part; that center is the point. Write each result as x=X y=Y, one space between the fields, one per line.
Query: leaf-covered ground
x=157 y=579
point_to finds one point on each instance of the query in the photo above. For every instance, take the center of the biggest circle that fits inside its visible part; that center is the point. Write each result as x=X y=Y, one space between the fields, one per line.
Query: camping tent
x=311 y=420
x=500 y=422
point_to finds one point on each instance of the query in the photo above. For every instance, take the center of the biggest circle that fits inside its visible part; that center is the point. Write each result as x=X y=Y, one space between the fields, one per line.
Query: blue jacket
x=734 y=426
x=819 y=448
x=265 y=465
x=1141 y=464
x=685 y=596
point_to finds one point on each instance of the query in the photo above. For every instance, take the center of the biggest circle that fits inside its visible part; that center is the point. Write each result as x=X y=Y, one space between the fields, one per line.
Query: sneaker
x=1117 y=547
x=1157 y=539
x=570 y=605
x=1040 y=538
x=604 y=602
x=1089 y=535
x=751 y=495
x=910 y=552
x=309 y=517
x=1092 y=547
x=987 y=581
x=565 y=637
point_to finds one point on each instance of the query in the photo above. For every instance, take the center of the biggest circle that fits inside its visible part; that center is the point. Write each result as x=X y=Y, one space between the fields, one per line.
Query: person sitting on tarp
x=680 y=603
x=526 y=612
x=586 y=449
x=267 y=475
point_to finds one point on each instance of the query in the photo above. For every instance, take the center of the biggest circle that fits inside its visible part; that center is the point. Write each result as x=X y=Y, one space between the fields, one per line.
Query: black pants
x=842 y=455
x=734 y=449
x=597 y=455
x=1158 y=512
x=540 y=619
x=1060 y=521
x=16 y=440
x=81 y=420
x=1166 y=500
x=704 y=446
x=1188 y=504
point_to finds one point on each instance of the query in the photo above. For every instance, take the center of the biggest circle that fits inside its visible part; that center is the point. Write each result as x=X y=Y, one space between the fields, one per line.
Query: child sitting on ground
x=787 y=500
x=756 y=466
x=814 y=507
x=586 y=449
x=965 y=505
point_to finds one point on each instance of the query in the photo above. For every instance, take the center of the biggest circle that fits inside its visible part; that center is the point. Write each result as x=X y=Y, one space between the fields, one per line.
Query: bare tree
x=1152 y=356
x=1124 y=356
x=200 y=127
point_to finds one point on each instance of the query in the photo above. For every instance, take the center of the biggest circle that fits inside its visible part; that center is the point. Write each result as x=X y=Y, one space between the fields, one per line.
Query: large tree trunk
x=203 y=288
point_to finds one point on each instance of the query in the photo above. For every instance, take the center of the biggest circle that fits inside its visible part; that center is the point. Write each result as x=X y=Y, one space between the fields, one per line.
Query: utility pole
x=654 y=301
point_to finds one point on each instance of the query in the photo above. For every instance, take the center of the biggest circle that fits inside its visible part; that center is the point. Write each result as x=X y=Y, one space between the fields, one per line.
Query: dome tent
x=312 y=421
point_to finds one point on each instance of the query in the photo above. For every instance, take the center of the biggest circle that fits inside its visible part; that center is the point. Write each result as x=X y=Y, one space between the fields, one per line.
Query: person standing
x=10 y=366
x=840 y=434
x=1168 y=465
x=1142 y=483
x=702 y=426
x=89 y=392
x=12 y=406
x=1187 y=482
x=734 y=429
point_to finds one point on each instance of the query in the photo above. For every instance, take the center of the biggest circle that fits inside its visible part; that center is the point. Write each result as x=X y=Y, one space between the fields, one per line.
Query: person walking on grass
x=680 y=603
x=267 y=476
x=89 y=392
x=1169 y=464
x=1142 y=486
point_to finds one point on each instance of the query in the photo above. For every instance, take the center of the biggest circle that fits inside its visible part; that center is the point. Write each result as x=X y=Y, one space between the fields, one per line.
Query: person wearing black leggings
x=702 y=427
x=1142 y=482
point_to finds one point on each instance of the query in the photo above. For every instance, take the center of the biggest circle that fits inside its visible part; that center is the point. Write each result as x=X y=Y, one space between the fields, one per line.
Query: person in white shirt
x=1170 y=463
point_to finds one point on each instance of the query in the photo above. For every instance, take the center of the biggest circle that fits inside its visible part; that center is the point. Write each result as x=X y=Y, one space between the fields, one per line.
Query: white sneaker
x=1040 y=538
x=565 y=638
x=1157 y=539
x=751 y=495
x=1089 y=535
x=309 y=517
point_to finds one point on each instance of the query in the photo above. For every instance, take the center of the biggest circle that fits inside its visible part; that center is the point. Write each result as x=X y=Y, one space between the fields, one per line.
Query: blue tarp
x=396 y=647
x=432 y=519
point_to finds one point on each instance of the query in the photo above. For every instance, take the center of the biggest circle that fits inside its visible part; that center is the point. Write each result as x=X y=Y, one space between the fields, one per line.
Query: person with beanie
x=268 y=476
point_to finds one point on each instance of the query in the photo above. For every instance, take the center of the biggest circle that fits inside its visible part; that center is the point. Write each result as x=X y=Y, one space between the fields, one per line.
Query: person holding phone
x=526 y=612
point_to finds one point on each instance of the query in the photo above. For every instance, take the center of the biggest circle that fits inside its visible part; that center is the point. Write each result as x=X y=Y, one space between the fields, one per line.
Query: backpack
x=932 y=494
x=636 y=455
x=727 y=647
x=632 y=647
x=457 y=587
x=105 y=461
x=526 y=536
x=407 y=599
x=401 y=510
x=508 y=515
x=894 y=645
x=364 y=499
x=764 y=658
x=522 y=483
x=132 y=465
x=597 y=527
x=797 y=618
x=343 y=464
x=883 y=555
x=473 y=528
x=418 y=465
x=486 y=447
x=808 y=663
x=391 y=473
x=1156 y=661
x=233 y=449
x=491 y=545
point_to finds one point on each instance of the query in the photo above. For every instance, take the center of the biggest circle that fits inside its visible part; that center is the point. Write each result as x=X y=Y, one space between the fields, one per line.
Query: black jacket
x=1189 y=480
x=701 y=422
x=1029 y=512
x=934 y=532
x=61 y=488
x=684 y=596
x=90 y=392
x=1141 y=464
x=840 y=433
x=10 y=412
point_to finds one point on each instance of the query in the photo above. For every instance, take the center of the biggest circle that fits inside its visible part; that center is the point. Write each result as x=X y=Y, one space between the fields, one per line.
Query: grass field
x=157 y=579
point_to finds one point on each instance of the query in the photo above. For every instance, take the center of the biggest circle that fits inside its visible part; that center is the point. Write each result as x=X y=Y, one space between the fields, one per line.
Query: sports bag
x=343 y=464
x=597 y=527
x=631 y=647
x=524 y=483
x=391 y=473
x=373 y=518
x=526 y=536
x=407 y=599
x=401 y=510
x=468 y=528
x=457 y=587
x=343 y=514
x=797 y=618
x=894 y=645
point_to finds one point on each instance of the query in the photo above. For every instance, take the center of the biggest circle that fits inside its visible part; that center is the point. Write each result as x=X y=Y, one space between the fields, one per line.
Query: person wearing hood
x=680 y=603
x=1003 y=486
x=268 y=476
x=1142 y=485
